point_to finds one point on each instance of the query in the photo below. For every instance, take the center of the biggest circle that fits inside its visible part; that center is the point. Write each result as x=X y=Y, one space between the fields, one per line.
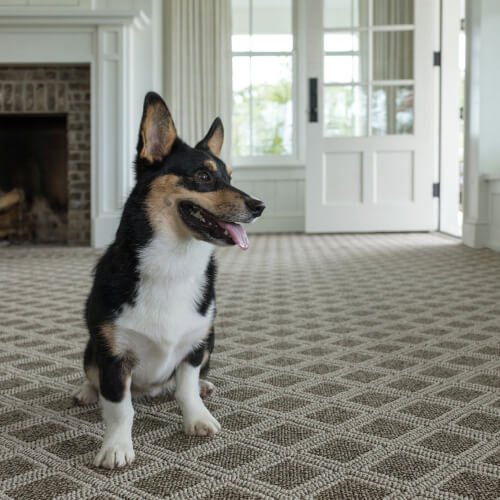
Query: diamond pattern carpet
x=347 y=367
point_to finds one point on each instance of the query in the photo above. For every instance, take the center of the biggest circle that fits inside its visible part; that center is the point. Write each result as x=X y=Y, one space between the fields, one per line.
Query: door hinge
x=436 y=58
x=436 y=190
x=462 y=24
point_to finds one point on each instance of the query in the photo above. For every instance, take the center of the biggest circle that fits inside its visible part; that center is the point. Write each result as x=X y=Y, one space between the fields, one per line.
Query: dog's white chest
x=164 y=325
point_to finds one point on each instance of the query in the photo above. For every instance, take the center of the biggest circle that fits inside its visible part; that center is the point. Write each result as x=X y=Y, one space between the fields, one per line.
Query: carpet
x=346 y=367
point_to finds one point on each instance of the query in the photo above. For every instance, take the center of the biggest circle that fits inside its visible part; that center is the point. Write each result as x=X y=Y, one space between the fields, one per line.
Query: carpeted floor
x=349 y=367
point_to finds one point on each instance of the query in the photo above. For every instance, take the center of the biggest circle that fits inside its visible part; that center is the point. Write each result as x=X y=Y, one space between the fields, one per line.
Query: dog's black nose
x=255 y=206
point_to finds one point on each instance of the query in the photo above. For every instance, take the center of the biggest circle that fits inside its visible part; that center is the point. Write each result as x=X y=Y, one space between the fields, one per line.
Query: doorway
x=372 y=133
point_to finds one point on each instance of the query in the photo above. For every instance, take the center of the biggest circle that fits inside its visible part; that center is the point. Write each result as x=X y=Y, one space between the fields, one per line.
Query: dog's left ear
x=157 y=133
x=214 y=139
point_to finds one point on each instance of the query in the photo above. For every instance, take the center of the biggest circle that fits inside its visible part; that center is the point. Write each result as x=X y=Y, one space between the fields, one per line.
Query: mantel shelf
x=70 y=17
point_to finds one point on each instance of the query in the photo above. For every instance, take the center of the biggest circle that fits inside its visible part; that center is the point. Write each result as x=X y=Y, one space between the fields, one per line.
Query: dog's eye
x=203 y=176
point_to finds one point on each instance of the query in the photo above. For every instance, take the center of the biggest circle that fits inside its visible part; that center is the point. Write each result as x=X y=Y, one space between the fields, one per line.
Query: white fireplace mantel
x=123 y=48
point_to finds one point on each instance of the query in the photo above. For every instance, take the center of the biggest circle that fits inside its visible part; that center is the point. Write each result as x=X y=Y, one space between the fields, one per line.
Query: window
x=368 y=67
x=262 y=48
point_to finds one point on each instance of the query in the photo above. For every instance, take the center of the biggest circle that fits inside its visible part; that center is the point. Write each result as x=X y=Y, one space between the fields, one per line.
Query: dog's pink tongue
x=237 y=233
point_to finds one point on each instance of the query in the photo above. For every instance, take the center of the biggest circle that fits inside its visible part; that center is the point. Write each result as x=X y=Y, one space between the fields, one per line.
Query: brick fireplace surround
x=61 y=89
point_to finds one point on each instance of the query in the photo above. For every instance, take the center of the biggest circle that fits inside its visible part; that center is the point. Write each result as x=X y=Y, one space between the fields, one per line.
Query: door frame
x=449 y=119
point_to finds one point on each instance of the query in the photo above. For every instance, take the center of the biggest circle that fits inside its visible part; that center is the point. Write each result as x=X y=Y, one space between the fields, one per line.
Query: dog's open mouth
x=210 y=228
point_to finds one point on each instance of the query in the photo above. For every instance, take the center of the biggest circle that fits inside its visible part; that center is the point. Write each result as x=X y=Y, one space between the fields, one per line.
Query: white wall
x=282 y=190
x=482 y=143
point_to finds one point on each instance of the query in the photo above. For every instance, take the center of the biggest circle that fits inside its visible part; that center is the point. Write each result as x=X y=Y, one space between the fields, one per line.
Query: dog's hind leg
x=88 y=392
x=206 y=388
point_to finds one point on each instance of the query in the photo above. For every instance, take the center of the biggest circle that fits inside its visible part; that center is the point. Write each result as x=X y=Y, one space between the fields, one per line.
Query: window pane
x=392 y=110
x=393 y=55
x=272 y=110
x=267 y=27
x=345 y=111
x=241 y=106
x=392 y=12
x=342 y=42
x=271 y=43
x=346 y=68
x=345 y=13
x=342 y=69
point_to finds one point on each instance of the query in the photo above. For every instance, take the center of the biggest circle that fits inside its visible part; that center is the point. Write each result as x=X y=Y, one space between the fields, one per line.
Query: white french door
x=372 y=136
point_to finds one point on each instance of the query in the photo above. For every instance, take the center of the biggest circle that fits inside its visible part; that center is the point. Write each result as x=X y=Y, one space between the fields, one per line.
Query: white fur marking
x=117 y=449
x=163 y=325
x=198 y=421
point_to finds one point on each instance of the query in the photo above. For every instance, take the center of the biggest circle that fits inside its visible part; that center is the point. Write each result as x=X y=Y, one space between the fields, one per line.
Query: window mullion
x=369 y=90
x=250 y=114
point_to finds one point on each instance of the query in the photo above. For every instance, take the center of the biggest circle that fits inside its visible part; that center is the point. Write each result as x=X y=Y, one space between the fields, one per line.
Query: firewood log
x=12 y=198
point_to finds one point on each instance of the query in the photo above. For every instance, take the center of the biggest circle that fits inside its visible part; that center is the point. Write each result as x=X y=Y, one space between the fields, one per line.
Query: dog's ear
x=157 y=133
x=214 y=139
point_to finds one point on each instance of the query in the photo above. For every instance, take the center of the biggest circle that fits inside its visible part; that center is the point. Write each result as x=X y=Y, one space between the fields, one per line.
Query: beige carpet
x=349 y=367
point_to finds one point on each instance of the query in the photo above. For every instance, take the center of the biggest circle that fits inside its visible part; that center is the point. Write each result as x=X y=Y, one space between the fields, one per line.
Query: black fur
x=209 y=346
x=196 y=357
x=209 y=289
x=112 y=375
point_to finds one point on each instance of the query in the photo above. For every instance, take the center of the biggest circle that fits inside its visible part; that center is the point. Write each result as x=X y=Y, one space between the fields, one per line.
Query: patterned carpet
x=347 y=367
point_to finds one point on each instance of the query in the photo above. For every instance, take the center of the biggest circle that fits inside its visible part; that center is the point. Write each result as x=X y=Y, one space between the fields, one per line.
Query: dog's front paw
x=202 y=424
x=116 y=454
x=206 y=388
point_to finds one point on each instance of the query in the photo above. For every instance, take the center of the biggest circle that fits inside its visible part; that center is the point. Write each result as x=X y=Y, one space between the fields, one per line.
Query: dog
x=150 y=312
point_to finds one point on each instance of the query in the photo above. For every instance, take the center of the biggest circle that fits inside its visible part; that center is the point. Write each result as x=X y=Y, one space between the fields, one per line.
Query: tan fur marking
x=158 y=132
x=222 y=203
x=107 y=332
x=206 y=357
x=92 y=373
x=229 y=170
x=215 y=142
x=210 y=165
x=166 y=192
x=162 y=206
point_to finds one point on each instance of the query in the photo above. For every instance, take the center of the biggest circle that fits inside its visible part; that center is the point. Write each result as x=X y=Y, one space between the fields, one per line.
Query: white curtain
x=198 y=66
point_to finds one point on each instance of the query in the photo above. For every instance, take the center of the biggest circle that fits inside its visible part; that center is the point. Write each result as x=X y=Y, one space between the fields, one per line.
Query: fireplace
x=34 y=162
x=45 y=152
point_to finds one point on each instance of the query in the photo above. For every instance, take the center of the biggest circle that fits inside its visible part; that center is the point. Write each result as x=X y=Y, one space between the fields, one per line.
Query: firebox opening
x=34 y=177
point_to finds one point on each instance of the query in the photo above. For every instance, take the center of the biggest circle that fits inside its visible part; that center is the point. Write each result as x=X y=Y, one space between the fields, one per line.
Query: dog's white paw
x=206 y=388
x=86 y=394
x=201 y=424
x=117 y=454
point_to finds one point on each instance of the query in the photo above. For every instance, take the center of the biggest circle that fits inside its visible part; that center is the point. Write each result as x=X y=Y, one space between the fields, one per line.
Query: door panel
x=371 y=154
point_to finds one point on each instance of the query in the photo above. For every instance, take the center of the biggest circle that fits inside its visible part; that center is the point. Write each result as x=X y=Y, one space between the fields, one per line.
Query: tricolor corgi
x=151 y=310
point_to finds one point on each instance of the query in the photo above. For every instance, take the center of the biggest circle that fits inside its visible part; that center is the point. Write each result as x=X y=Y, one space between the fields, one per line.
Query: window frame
x=298 y=133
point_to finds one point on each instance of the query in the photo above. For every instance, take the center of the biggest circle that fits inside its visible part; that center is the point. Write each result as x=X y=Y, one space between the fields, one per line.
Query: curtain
x=198 y=66
x=392 y=54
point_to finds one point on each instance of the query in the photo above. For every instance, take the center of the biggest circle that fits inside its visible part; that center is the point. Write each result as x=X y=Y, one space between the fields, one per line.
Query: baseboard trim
x=494 y=245
x=475 y=234
x=278 y=224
